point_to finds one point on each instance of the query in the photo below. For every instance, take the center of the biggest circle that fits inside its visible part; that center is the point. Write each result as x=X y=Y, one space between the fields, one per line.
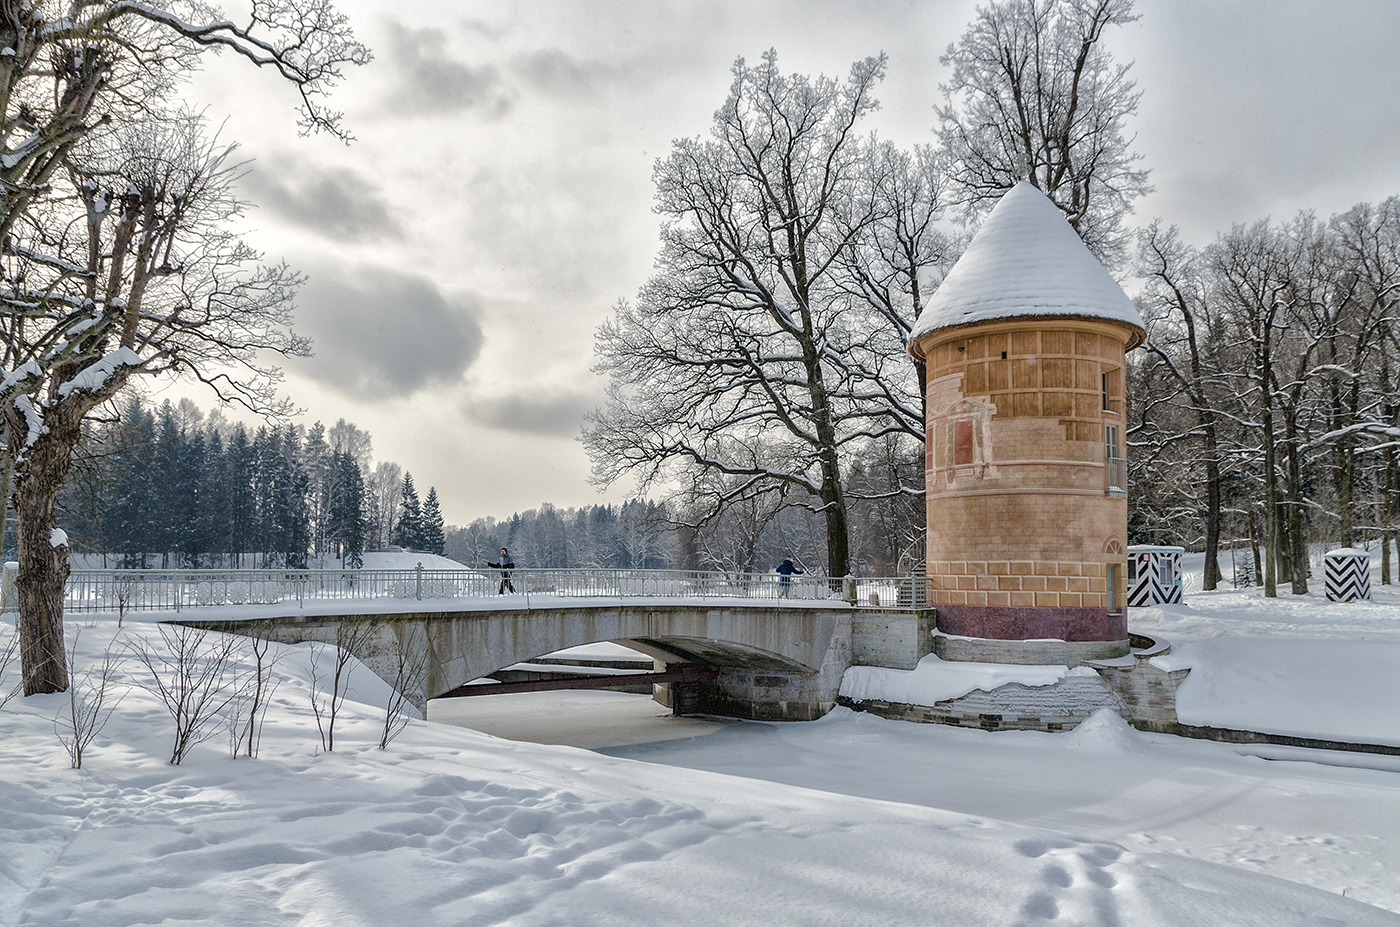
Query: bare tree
x=253 y=694
x=1036 y=96
x=744 y=333
x=409 y=669
x=1180 y=321
x=90 y=704
x=328 y=694
x=189 y=673
x=115 y=260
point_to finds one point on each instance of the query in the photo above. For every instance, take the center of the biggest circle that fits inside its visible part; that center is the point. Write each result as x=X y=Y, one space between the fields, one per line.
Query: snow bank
x=449 y=827
x=935 y=680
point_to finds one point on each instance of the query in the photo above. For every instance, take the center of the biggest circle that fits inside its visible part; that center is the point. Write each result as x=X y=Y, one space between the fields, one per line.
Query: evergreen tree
x=241 y=469
x=166 y=517
x=193 y=541
x=434 y=531
x=215 y=498
x=126 y=518
x=408 y=533
x=346 y=519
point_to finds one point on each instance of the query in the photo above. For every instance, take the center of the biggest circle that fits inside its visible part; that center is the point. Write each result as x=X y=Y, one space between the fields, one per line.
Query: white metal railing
x=175 y=590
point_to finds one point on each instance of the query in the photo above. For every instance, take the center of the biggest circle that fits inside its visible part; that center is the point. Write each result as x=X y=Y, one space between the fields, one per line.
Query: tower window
x=1106 y=406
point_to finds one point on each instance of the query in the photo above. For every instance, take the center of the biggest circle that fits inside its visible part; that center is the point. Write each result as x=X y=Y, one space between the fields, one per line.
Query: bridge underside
x=774 y=663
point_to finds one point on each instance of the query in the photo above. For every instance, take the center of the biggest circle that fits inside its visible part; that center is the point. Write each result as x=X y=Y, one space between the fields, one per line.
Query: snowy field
x=846 y=820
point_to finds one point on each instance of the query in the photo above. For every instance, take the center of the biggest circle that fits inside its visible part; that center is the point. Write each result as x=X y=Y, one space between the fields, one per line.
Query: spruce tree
x=346 y=519
x=434 y=531
x=408 y=534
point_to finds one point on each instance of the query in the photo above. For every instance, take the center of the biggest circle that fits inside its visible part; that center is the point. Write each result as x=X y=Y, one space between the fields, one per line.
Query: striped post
x=1348 y=573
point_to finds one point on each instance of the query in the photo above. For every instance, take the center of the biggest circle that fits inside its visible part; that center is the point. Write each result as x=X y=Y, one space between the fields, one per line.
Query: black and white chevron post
x=1154 y=575
x=1348 y=573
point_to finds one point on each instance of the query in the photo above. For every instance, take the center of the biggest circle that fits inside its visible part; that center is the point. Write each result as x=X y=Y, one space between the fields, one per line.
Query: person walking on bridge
x=785 y=571
x=505 y=565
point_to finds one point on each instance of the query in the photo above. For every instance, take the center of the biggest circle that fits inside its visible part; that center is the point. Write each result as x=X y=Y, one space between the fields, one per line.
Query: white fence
x=175 y=590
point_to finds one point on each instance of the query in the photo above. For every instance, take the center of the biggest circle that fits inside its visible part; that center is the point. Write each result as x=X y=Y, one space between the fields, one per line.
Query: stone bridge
x=775 y=662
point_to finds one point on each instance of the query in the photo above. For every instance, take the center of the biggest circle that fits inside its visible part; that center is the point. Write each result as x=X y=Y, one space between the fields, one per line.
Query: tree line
x=1263 y=411
x=172 y=487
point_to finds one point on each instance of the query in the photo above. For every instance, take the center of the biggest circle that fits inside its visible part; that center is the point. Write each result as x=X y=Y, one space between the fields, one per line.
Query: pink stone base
x=1022 y=624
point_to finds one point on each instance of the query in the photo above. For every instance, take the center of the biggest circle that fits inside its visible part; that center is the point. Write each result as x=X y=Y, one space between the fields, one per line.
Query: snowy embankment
x=1294 y=665
x=452 y=827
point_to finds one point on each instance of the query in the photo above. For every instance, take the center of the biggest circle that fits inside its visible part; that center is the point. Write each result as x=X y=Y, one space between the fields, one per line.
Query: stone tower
x=1025 y=345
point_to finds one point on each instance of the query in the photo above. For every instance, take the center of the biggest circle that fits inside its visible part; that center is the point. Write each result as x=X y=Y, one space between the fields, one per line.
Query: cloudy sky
x=497 y=199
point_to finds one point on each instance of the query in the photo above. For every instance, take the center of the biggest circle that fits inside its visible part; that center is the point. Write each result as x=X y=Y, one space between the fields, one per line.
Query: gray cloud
x=553 y=414
x=559 y=74
x=429 y=80
x=381 y=332
x=338 y=203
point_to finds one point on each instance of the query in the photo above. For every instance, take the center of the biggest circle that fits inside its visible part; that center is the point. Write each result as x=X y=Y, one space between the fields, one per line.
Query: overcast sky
x=497 y=200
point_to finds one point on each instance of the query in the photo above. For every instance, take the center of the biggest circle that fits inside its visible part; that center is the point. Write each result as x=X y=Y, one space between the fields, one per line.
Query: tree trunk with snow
x=43 y=549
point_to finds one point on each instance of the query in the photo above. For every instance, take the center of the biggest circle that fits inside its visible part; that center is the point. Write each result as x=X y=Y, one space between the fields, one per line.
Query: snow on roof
x=1026 y=261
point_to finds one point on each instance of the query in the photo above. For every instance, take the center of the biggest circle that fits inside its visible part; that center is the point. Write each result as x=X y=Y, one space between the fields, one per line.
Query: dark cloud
x=381 y=332
x=559 y=74
x=551 y=414
x=338 y=203
x=429 y=80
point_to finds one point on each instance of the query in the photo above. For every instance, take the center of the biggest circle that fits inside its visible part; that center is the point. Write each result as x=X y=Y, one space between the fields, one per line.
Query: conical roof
x=1026 y=261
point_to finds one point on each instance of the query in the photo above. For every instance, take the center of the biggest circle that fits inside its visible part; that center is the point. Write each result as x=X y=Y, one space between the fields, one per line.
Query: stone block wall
x=1021 y=415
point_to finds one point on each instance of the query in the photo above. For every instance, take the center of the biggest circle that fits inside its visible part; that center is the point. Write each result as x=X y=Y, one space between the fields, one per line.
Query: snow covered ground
x=846 y=820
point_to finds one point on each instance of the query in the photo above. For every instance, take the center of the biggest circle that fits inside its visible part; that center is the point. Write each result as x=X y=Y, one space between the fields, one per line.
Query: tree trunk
x=43 y=564
x=1211 y=579
x=43 y=570
x=1297 y=527
x=1271 y=528
x=1254 y=549
x=1387 y=515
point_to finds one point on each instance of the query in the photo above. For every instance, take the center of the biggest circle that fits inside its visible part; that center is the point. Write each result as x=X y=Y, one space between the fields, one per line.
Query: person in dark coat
x=505 y=565
x=785 y=571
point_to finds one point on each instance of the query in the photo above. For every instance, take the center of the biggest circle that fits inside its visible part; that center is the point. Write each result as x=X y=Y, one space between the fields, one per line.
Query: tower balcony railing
x=1116 y=477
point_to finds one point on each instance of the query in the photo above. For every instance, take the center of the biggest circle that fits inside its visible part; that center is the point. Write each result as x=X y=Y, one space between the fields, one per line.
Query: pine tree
x=408 y=533
x=434 y=531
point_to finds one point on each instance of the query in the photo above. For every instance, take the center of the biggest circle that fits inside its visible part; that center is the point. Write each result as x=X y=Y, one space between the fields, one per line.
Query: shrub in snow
x=328 y=692
x=253 y=691
x=189 y=672
x=90 y=704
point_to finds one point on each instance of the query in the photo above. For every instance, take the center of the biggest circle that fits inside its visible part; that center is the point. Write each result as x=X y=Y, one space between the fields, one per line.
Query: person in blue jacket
x=785 y=571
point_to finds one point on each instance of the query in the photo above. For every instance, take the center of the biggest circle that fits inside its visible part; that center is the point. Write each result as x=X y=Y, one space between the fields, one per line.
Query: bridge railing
x=176 y=590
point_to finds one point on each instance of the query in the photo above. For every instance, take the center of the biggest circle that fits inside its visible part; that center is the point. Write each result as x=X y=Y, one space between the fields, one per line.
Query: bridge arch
x=776 y=662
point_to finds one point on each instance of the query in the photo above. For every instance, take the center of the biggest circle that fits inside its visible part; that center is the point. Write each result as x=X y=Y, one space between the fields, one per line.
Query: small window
x=1111 y=442
x=1112 y=584
x=1106 y=406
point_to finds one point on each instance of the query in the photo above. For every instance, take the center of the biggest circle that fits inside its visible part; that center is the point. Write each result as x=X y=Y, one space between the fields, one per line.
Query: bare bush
x=7 y=658
x=90 y=704
x=327 y=695
x=126 y=591
x=409 y=668
x=189 y=674
x=252 y=695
